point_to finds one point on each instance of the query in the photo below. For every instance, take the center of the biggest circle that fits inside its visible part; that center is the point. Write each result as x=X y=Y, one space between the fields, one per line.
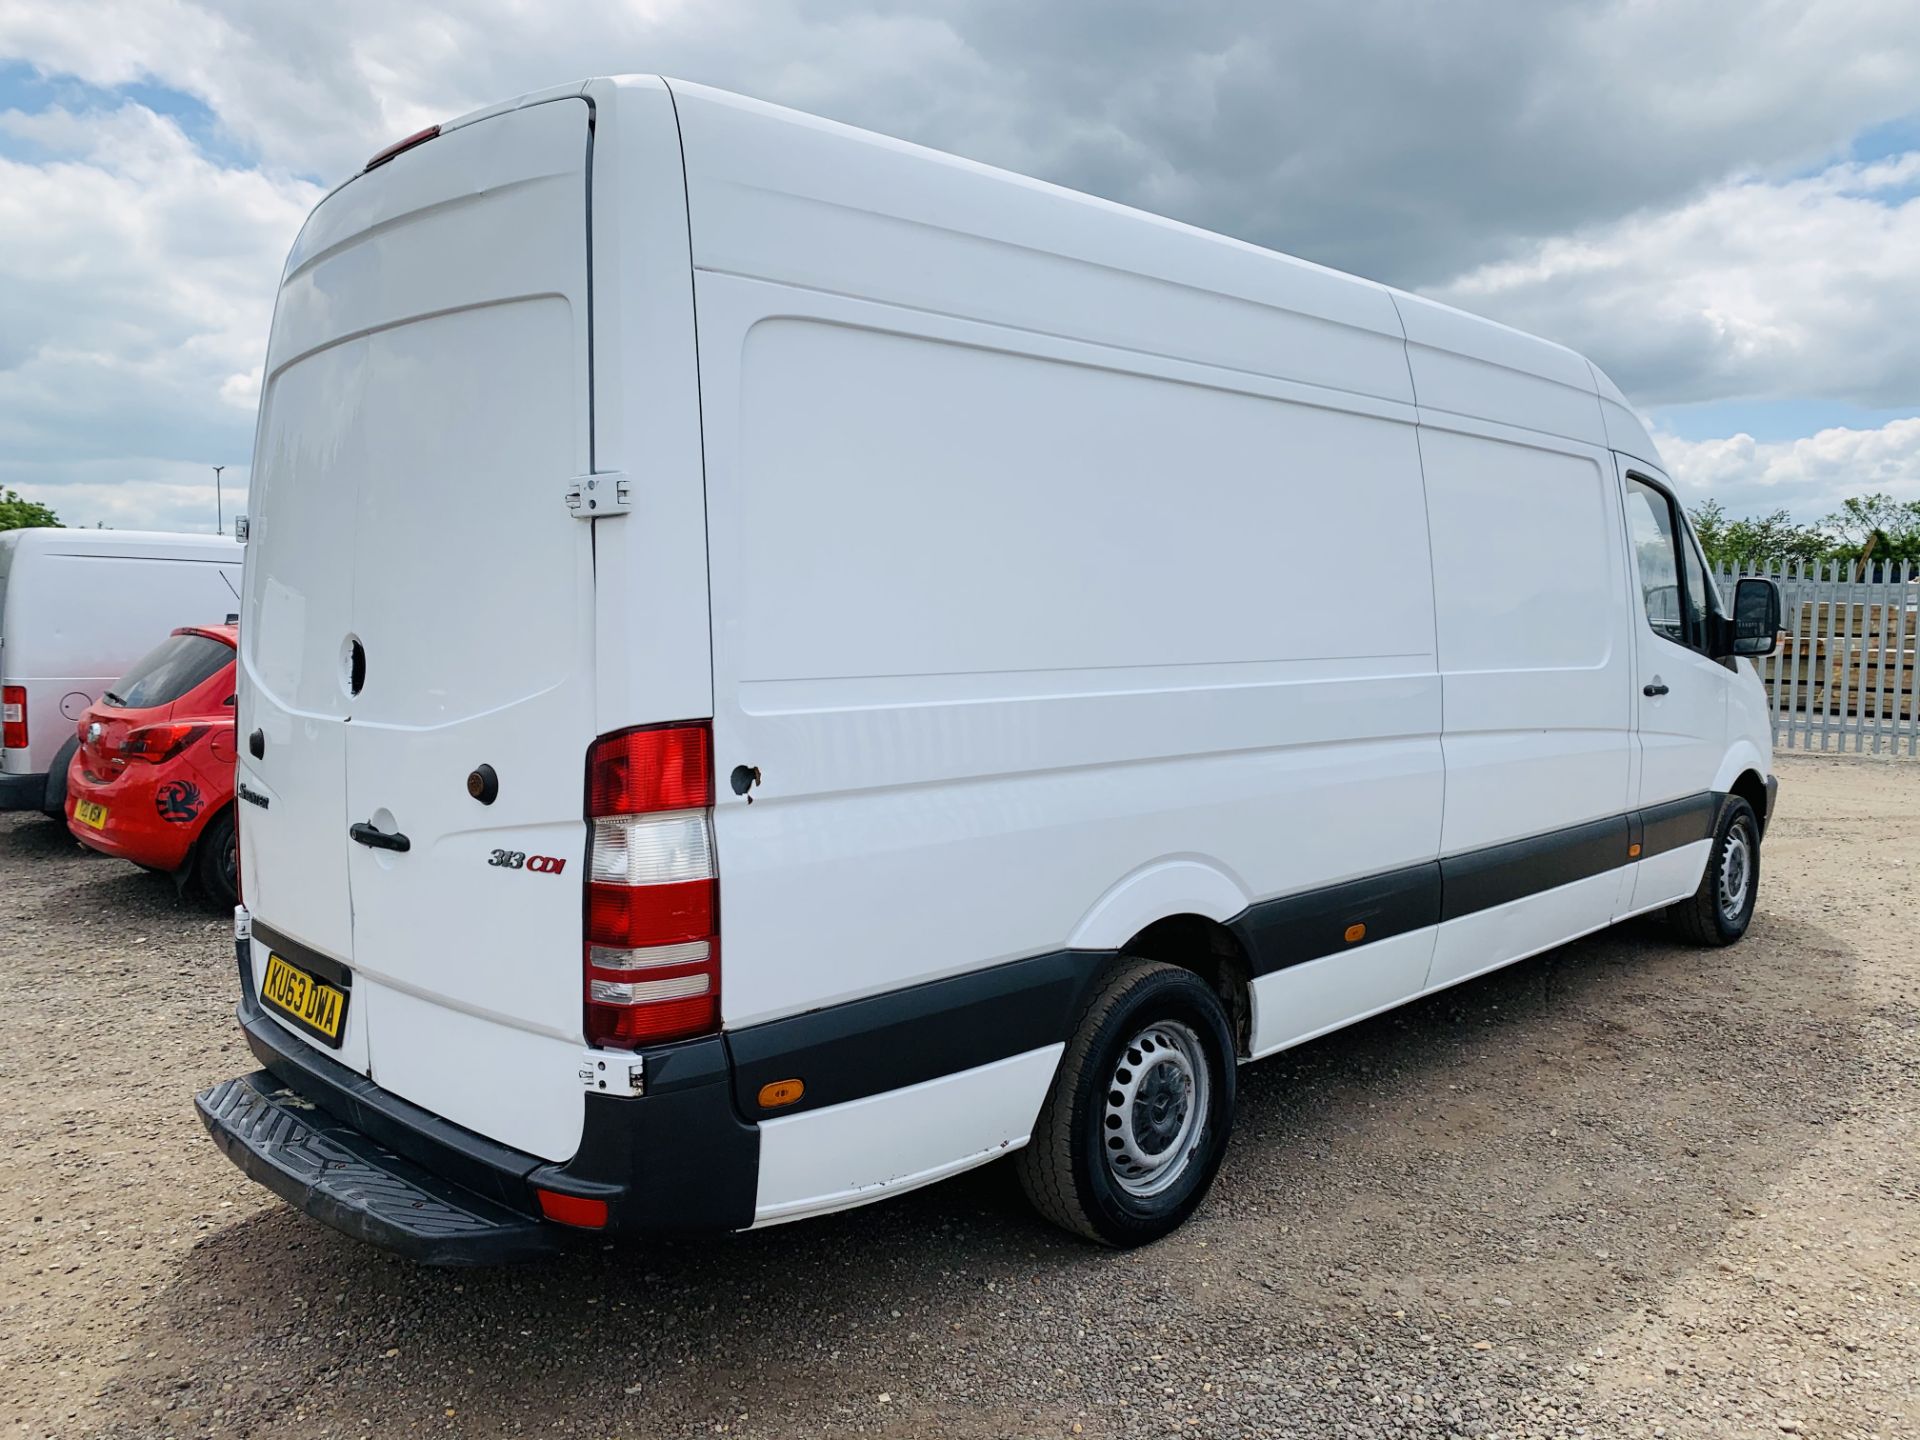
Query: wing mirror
x=1756 y=617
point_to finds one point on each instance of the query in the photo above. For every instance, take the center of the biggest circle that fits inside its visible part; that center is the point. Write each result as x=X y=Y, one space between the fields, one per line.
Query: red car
x=152 y=781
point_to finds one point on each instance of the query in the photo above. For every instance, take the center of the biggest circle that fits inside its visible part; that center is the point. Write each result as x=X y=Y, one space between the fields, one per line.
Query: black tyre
x=1722 y=908
x=215 y=860
x=1134 y=1129
x=54 y=802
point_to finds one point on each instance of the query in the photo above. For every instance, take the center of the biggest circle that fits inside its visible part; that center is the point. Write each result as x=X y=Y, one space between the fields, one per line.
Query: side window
x=1693 y=595
x=1716 y=603
x=1656 y=556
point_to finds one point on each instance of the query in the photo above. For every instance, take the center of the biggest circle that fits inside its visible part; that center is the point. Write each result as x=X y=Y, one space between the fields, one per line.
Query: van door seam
x=1433 y=582
x=699 y=390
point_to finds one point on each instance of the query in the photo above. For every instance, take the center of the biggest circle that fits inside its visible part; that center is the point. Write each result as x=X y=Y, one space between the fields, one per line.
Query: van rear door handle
x=375 y=838
x=1656 y=688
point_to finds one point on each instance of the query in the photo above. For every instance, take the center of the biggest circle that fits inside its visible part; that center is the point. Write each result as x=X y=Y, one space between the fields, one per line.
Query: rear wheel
x=54 y=803
x=1721 y=909
x=1136 y=1124
x=215 y=862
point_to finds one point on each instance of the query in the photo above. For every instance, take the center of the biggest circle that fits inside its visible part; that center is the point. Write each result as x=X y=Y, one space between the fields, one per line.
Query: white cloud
x=1564 y=164
x=1801 y=289
x=1809 y=476
x=136 y=288
x=185 y=503
x=1407 y=148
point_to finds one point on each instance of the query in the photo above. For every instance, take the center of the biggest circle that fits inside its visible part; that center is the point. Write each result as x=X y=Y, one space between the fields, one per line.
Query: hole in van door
x=353 y=665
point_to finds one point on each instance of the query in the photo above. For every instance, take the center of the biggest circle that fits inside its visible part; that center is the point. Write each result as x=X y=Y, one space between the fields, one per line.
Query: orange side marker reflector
x=781 y=1092
x=573 y=1209
x=1356 y=932
x=1632 y=851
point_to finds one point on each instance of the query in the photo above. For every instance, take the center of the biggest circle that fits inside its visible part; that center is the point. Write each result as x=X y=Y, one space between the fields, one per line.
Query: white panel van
x=77 y=609
x=777 y=665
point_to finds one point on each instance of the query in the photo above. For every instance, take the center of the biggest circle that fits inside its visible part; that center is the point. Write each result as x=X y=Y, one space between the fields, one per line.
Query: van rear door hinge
x=606 y=492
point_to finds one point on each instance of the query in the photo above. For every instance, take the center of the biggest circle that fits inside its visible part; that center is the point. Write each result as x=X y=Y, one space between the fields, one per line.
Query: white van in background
x=77 y=609
x=778 y=665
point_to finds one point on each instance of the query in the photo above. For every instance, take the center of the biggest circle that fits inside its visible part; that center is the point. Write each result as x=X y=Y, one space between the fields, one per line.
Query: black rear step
x=338 y=1175
x=365 y=1161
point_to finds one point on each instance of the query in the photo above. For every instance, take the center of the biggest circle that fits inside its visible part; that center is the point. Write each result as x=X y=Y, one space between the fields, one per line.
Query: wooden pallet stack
x=1871 y=670
x=1846 y=674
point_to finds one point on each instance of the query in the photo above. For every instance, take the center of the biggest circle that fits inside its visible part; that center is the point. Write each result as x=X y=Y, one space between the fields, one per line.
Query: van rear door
x=420 y=618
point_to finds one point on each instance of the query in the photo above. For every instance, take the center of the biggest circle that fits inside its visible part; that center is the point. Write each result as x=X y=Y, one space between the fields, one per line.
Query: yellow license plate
x=312 y=1003
x=90 y=812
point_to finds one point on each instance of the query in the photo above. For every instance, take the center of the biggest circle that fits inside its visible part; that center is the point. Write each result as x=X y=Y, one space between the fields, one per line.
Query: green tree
x=1890 y=526
x=1709 y=519
x=1756 y=540
x=17 y=513
x=1776 y=539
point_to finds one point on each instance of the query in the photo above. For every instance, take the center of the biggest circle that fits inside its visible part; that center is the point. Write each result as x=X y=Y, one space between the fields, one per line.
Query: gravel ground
x=1624 y=1189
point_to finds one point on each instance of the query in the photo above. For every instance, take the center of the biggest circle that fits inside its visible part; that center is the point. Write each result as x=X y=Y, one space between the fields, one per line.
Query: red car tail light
x=13 y=717
x=652 y=961
x=160 y=742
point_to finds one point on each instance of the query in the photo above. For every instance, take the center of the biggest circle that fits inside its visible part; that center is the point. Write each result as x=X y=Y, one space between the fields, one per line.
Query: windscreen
x=170 y=670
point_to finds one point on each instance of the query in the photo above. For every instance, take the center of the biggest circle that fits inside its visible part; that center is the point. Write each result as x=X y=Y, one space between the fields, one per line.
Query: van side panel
x=1535 y=652
x=1536 y=661
x=1470 y=945
x=79 y=617
x=900 y=1140
x=1463 y=365
x=987 y=671
x=808 y=203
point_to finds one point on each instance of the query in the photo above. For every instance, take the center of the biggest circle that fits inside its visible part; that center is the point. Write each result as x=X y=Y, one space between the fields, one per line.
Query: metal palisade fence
x=1844 y=677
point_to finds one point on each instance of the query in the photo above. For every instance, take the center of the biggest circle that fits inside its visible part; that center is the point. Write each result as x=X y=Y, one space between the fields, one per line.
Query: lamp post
x=219 y=521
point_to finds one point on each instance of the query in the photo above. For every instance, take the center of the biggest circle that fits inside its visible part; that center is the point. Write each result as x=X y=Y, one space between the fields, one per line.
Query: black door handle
x=1654 y=689
x=375 y=838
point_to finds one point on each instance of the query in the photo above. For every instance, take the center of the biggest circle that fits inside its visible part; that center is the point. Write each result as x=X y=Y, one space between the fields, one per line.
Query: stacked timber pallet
x=1847 y=673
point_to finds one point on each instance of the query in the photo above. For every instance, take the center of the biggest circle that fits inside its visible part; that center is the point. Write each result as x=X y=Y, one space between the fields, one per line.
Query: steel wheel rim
x=1736 y=874
x=1155 y=1112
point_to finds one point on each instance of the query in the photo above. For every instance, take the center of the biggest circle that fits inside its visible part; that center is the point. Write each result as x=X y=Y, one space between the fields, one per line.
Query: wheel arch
x=1170 y=886
x=1743 y=772
x=195 y=864
x=1213 y=952
x=1175 y=910
x=1750 y=787
x=203 y=822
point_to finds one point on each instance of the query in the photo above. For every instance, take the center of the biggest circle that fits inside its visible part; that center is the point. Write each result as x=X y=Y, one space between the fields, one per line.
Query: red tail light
x=13 y=717
x=160 y=742
x=419 y=137
x=653 y=918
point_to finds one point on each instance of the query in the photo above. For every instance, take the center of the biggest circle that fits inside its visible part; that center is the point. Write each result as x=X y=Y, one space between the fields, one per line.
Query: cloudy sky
x=1718 y=200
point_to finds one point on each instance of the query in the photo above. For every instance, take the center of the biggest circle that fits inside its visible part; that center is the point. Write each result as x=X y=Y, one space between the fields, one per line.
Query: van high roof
x=154 y=544
x=1512 y=377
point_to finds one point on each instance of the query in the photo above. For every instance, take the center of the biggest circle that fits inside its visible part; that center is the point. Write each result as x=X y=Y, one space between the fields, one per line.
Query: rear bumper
x=1773 y=794
x=165 y=850
x=336 y=1174
x=23 y=792
x=135 y=829
x=336 y=1145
